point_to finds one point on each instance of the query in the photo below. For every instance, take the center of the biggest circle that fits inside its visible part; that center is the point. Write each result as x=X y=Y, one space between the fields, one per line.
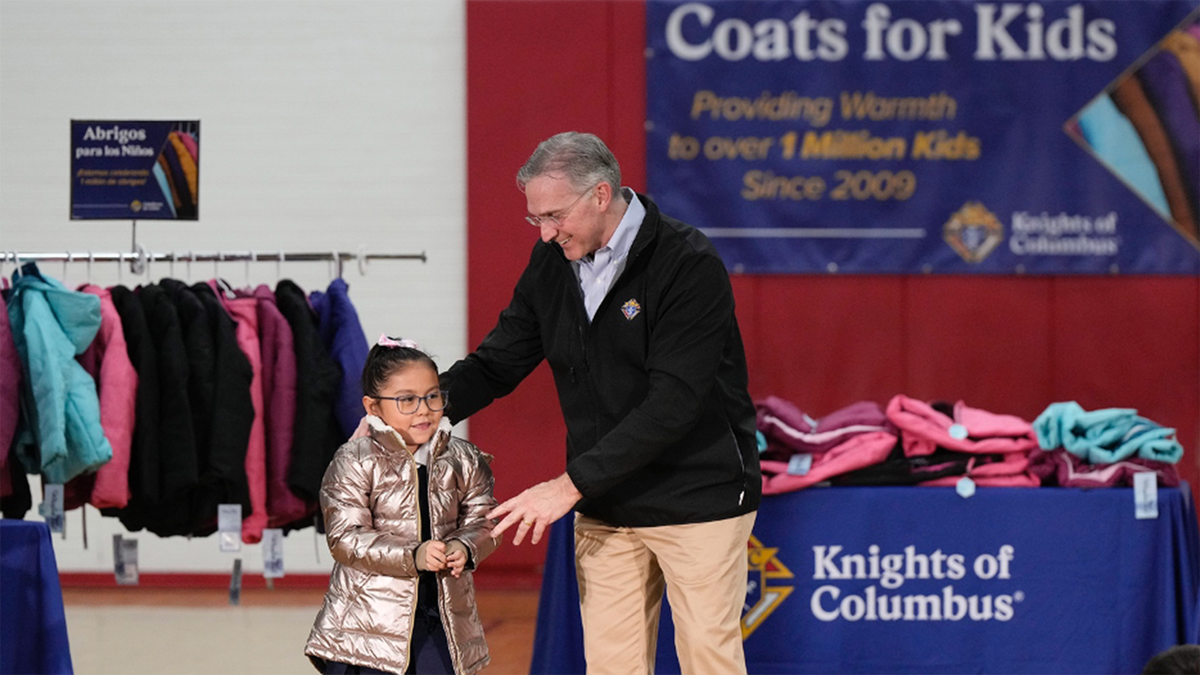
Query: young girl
x=404 y=509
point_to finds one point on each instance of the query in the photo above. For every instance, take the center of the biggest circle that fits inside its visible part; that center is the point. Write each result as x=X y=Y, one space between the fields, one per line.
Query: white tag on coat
x=272 y=551
x=229 y=527
x=1145 y=495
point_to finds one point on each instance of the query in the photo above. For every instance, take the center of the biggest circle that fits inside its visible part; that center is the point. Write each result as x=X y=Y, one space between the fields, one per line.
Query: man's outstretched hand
x=536 y=509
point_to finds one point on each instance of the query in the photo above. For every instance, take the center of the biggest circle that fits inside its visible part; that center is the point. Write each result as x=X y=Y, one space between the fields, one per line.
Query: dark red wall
x=1006 y=344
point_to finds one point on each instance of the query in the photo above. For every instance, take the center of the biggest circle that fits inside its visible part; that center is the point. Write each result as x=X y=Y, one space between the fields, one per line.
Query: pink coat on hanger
x=107 y=361
x=245 y=313
x=10 y=380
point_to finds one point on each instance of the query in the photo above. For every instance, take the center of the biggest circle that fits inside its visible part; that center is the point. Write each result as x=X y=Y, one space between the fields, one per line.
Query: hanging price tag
x=272 y=550
x=1145 y=495
x=51 y=507
x=229 y=527
x=235 y=583
x=125 y=560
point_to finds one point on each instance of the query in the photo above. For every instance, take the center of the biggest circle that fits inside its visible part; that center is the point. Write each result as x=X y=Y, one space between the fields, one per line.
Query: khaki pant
x=622 y=571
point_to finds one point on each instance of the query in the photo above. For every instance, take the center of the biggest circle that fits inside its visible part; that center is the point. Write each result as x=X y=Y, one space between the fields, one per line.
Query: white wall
x=325 y=125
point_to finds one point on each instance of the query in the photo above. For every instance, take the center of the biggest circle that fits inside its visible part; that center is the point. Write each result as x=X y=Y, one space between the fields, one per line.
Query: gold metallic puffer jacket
x=372 y=520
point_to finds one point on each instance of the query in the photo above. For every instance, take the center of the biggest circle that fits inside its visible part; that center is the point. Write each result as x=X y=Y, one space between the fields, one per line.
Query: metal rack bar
x=139 y=258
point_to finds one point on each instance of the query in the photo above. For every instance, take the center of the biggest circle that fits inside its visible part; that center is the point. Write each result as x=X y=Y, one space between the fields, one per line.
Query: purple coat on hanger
x=1166 y=86
x=279 y=400
x=346 y=343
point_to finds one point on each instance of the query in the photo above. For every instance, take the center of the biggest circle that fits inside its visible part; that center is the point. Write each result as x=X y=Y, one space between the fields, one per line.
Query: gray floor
x=191 y=641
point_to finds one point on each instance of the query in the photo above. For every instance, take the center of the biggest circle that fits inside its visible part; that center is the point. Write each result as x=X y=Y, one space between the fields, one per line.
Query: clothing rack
x=141 y=257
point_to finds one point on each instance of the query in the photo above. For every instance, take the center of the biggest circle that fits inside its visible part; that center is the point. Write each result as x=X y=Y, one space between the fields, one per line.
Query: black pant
x=429 y=651
x=339 y=668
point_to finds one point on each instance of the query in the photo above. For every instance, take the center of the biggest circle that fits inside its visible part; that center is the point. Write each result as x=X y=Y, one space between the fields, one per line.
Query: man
x=634 y=311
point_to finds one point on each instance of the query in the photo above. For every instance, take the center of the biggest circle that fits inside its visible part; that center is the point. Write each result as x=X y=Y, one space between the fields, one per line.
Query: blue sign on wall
x=135 y=170
x=930 y=136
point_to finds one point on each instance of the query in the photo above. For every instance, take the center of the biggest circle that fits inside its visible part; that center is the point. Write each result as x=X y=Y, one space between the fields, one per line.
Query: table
x=920 y=580
x=33 y=626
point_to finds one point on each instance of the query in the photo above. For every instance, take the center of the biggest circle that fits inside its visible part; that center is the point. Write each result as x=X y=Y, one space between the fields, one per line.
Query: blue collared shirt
x=596 y=273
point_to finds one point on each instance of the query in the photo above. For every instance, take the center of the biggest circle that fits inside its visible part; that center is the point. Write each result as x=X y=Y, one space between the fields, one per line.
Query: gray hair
x=582 y=158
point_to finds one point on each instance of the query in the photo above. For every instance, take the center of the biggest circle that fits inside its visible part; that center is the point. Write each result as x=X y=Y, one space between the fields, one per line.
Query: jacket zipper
x=737 y=449
x=412 y=616
x=443 y=598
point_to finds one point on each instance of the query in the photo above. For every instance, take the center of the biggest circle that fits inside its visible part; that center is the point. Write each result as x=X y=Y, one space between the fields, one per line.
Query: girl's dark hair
x=1176 y=660
x=384 y=361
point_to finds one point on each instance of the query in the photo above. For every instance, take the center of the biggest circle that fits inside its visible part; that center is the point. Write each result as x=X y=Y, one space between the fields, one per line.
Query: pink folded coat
x=862 y=450
x=923 y=429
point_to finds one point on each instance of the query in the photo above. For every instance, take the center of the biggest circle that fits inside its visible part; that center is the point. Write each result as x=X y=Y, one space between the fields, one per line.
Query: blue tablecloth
x=33 y=626
x=920 y=580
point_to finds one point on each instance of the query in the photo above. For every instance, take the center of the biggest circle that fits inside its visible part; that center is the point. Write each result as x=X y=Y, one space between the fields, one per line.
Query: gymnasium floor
x=196 y=631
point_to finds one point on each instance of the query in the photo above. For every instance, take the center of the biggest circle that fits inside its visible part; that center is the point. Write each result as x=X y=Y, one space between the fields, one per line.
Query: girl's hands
x=456 y=557
x=431 y=556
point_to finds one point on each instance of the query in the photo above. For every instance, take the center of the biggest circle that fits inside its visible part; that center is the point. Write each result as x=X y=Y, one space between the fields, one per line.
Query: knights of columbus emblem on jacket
x=631 y=308
x=764 y=591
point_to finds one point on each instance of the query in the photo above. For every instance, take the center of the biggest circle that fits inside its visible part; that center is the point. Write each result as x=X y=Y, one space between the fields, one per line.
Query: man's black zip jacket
x=660 y=425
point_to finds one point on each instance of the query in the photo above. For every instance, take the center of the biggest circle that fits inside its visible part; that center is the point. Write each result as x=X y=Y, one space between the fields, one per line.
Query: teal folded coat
x=51 y=325
x=1105 y=436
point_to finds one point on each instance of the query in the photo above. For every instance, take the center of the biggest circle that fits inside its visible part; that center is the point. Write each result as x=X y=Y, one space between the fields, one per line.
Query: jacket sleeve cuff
x=579 y=481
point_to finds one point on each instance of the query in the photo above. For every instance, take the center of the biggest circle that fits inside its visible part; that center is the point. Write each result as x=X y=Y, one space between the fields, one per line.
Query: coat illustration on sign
x=177 y=172
x=1145 y=128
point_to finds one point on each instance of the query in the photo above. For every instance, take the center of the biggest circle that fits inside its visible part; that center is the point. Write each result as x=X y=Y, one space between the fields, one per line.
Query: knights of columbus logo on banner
x=765 y=589
x=973 y=232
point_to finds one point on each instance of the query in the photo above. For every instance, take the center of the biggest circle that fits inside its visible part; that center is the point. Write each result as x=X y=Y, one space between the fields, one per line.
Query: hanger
x=191 y=257
x=91 y=257
x=171 y=267
x=362 y=260
x=121 y=267
x=253 y=257
x=69 y=259
x=279 y=266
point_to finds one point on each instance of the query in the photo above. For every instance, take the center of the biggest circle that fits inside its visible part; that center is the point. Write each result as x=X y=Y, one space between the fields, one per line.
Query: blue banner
x=135 y=170
x=930 y=136
x=921 y=580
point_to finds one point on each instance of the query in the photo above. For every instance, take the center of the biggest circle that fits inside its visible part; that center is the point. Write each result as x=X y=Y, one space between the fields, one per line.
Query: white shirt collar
x=627 y=229
x=622 y=238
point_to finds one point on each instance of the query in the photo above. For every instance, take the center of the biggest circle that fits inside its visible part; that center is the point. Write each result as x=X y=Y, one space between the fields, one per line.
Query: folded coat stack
x=915 y=442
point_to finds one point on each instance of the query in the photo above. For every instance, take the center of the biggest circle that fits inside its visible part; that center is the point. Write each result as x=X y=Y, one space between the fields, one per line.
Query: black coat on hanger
x=163 y=475
x=316 y=435
x=223 y=461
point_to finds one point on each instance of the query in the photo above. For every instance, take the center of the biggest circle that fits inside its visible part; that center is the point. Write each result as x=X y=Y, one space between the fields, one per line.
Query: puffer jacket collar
x=391 y=441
